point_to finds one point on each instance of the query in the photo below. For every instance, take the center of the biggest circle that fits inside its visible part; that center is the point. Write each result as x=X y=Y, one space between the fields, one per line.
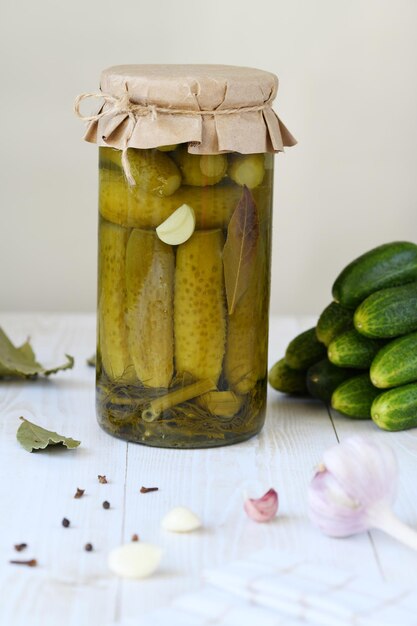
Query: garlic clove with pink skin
x=262 y=509
x=353 y=491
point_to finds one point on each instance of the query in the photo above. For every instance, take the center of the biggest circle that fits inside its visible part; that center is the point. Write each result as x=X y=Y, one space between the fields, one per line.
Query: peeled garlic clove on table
x=135 y=560
x=178 y=227
x=181 y=520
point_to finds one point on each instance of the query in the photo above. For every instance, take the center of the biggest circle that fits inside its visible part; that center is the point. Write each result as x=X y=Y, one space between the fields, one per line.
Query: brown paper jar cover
x=209 y=106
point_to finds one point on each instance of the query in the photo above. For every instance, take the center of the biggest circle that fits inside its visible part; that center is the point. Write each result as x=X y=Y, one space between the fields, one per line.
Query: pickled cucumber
x=113 y=337
x=247 y=169
x=221 y=403
x=134 y=208
x=149 y=286
x=200 y=170
x=153 y=171
x=246 y=352
x=199 y=306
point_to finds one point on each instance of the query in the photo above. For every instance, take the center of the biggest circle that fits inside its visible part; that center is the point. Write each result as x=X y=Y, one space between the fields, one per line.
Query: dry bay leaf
x=21 y=362
x=239 y=250
x=33 y=437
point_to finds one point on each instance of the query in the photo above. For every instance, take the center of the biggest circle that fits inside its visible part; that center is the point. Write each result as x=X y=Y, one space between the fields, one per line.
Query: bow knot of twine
x=122 y=105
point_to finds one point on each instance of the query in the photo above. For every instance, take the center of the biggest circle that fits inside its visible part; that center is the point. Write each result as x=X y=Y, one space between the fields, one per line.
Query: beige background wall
x=348 y=92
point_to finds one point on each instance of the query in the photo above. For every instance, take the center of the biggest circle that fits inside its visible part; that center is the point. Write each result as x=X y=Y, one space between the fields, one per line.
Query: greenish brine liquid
x=183 y=329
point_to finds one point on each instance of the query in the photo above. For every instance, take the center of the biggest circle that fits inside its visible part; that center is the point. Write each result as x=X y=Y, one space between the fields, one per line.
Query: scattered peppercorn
x=106 y=504
x=20 y=546
x=102 y=480
x=79 y=493
x=135 y=537
x=148 y=489
x=30 y=563
x=65 y=522
x=88 y=547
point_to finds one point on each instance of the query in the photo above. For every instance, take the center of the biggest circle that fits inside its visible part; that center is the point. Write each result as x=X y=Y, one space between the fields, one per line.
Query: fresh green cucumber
x=385 y=266
x=388 y=313
x=324 y=377
x=304 y=350
x=333 y=321
x=354 y=397
x=351 y=349
x=283 y=378
x=396 y=363
x=396 y=409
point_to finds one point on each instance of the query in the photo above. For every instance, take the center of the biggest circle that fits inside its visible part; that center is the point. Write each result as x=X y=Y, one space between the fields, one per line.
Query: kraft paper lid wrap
x=213 y=108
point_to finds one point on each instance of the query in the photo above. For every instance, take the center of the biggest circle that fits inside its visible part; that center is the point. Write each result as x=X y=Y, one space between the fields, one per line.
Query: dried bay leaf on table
x=33 y=437
x=240 y=248
x=92 y=361
x=21 y=362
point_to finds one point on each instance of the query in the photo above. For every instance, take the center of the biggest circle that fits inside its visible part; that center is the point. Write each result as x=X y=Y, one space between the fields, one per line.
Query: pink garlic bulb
x=354 y=488
x=262 y=509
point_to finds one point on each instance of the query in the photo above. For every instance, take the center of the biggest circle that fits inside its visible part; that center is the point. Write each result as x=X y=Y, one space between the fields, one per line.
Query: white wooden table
x=73 y=587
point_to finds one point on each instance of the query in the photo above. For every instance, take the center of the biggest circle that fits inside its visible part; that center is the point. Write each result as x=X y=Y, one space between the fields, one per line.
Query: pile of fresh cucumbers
x=362 y=355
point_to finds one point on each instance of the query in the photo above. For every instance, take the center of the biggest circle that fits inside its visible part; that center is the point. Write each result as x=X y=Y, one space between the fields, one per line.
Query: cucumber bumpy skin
x=354 y=397
x=396 y=363
x=282 y=378
x=396 y=409
x=112 y=328
x=388 y=265
x=388 y=313
x=351 y=349
x=150 y=307
x=199 y=306
x=304 y=350
x=334 y=320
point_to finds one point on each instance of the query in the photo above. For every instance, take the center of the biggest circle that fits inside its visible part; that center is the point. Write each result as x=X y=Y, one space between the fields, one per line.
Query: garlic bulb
x=262 y=509
x=134 y=560
x=353 y=491
x=181 y=520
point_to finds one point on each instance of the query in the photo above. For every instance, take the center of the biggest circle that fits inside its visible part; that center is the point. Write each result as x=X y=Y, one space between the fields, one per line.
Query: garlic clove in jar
x=178 y=227
x=181 y=520
x=134 y=560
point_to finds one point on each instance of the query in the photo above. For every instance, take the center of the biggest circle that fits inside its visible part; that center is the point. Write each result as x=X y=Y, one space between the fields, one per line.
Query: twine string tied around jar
x=119 y=105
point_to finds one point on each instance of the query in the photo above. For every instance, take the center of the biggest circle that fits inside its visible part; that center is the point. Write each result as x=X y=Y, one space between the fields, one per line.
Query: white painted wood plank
x=70 y=586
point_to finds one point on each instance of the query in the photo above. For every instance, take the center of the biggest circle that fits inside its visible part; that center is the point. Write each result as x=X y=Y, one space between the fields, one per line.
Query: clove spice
x=102 y=480
x=79 y=493
x=29 y=563
x=148 y=489
x=20 y=546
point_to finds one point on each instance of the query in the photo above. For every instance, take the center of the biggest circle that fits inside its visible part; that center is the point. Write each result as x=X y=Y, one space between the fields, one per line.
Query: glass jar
x=184 y=254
